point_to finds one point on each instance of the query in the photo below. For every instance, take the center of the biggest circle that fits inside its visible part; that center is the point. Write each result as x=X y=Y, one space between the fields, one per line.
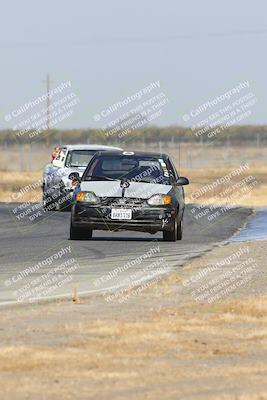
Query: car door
x=58 y=168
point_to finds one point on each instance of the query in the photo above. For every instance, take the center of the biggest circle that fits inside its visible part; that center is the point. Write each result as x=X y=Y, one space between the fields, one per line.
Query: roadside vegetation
x=237 y=134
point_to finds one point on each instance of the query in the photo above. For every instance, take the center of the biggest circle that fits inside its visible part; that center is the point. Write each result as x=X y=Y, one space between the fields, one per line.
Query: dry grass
x=208 y=164
x=12 y=182
x=256 y=195
x=95 y=350
x=206 y=345
x=255 y=308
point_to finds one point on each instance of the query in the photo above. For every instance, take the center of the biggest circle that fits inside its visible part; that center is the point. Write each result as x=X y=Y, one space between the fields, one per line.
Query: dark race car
x=136 y=191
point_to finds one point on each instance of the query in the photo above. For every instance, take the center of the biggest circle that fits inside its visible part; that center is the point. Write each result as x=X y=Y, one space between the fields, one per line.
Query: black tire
x=63 y=202
x=80 y=233
x=63 y=206
x=180 y=230
x=67 y=207
x=171 y=236
x=48 y=204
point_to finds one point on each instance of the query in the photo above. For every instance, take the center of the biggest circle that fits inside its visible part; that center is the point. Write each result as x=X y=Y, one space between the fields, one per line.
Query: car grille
x=122 y=202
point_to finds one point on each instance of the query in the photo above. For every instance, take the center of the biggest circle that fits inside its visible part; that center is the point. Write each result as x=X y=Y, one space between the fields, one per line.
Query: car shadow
x=125 y=239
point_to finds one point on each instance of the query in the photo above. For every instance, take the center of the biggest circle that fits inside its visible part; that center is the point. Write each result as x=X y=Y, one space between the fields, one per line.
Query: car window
x=173 y=169
x=79 y=158
x=132 y=168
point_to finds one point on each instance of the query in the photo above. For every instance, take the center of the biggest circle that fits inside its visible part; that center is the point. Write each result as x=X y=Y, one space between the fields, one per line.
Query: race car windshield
x=79 y=158
x=134 y=169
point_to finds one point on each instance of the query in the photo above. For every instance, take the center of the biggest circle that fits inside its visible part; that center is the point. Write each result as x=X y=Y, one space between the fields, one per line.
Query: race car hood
x=62 y=173
x=135 y=190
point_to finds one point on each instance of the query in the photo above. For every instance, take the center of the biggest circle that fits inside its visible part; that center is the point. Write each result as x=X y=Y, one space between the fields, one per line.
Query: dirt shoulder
x=163 y=343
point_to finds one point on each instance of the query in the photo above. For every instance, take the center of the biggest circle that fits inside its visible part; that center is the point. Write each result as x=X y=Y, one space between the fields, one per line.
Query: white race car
x=58 y=183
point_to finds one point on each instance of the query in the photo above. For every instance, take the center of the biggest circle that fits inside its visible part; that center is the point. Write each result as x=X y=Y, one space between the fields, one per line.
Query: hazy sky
x=110 y=49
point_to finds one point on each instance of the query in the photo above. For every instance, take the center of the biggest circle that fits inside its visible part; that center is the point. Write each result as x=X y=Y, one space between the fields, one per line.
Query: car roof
x=133 y=153
x=97 y=147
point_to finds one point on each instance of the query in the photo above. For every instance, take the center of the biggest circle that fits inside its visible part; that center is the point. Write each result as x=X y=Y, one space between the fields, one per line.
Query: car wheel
x=62 y=206
x=63 y=201
x=171 y=236
x=180 y=230
x=48 y=204
x=80 y=233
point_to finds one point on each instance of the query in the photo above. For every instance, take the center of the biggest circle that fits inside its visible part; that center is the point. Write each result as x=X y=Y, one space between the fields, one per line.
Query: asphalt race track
x=30 y=249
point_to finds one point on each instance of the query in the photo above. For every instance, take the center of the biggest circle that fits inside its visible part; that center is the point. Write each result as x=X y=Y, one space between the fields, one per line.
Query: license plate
x=121 y=213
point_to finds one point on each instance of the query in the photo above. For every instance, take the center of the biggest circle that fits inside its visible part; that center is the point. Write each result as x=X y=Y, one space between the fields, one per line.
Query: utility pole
x=48 y=82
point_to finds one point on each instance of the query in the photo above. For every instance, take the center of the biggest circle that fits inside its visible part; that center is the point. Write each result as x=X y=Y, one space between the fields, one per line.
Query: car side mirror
x=181 y=181
x=74 y=175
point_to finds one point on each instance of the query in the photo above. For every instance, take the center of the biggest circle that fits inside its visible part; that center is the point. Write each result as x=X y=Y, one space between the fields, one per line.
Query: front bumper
x=144 y=219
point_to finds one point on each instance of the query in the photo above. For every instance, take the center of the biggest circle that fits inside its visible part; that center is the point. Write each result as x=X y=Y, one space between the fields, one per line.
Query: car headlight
x=88 y=197
x=159 y=200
